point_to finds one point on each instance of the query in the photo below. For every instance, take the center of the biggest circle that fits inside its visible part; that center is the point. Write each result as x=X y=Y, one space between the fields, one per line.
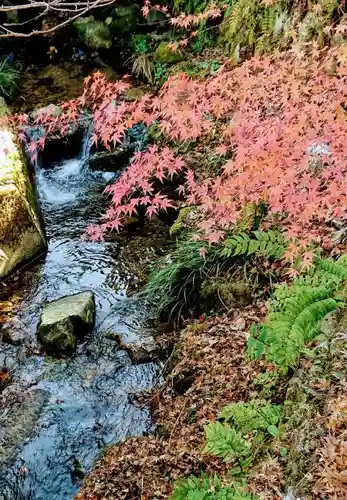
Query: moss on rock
x=95 y=34
x=21 y=234
x=64 y=320
x=179 y=223
x=165 y=54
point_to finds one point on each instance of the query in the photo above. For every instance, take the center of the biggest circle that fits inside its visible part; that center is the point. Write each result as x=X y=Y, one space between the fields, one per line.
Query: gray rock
x=142 y=350
x=111 y=161
x=50 y=110
x=65 y=320
x=17 y=424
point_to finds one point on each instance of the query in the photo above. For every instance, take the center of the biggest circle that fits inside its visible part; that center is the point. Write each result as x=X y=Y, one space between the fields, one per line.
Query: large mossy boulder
x=65 y=320
x=21 y=233
x=164 y=54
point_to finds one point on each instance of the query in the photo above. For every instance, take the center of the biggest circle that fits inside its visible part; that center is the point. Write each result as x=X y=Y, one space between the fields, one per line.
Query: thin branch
x=25 y=22
x=62 y=6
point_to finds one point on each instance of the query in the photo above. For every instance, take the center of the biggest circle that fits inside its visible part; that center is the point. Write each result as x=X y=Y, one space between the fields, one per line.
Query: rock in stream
x=65 y=320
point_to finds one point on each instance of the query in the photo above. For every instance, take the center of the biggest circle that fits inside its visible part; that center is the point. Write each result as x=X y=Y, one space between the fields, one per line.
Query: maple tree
x=281 y=119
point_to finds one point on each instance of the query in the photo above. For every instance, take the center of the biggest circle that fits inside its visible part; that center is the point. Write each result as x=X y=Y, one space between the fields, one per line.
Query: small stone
x=65 y=320
x=138 y=354
x=141 y=351
x=50 y=110
x=239 y=325
x=111 y=161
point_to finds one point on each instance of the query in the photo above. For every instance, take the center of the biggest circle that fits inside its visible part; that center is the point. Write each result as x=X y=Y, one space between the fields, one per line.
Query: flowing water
x=57 y=415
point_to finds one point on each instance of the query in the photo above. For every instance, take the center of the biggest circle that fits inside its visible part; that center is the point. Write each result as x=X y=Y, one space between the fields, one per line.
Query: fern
x=207 y=488
x=225 y=442
x=296 y=312
x=336 y=269
x=252 y=416
x=297 y=324
x=250 y=24
x=270 y=244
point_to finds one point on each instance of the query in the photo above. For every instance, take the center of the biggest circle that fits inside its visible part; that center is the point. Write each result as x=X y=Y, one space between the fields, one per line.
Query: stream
x=57 y=415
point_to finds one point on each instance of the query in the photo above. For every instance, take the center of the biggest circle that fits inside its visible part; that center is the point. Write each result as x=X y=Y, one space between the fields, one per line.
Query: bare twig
x=70 y=8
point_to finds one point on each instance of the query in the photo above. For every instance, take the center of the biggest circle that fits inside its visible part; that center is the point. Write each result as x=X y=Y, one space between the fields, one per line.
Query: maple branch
x=72 y=9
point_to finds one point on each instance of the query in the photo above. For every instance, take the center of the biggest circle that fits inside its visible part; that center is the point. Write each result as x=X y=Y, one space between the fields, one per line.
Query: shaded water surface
x=56 y=416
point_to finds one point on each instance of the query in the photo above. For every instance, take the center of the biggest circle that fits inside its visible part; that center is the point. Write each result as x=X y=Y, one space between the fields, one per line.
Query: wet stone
x=141 y=350
x=65 y=320
x=18 y=424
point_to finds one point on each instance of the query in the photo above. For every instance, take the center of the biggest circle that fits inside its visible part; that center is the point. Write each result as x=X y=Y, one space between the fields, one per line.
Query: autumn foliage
x=280 y=120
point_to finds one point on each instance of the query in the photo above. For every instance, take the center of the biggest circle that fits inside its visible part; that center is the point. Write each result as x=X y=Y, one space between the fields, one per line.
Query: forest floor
x=208 y=369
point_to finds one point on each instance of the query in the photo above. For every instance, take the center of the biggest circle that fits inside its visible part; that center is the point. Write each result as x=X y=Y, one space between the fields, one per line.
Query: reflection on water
x=86 y=401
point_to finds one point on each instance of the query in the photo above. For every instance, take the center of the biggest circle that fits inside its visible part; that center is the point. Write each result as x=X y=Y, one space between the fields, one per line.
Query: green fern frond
x=296 y=312
x=225 y=442
x=258 y=341
x=297 y=323
x=270 y=244
x=337 y=269
x=250 y=24
x=207 y=488
x=252 y=416
x=288 y=340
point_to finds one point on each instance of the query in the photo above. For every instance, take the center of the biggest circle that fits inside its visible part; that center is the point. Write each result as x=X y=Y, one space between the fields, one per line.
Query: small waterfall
x=87 y=141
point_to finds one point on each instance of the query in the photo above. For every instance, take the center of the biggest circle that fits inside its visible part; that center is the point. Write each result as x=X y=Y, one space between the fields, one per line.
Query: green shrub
x=207 y=488
x=140 y=44
x=160 y=73
x=176 y=281
x=9 y=78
